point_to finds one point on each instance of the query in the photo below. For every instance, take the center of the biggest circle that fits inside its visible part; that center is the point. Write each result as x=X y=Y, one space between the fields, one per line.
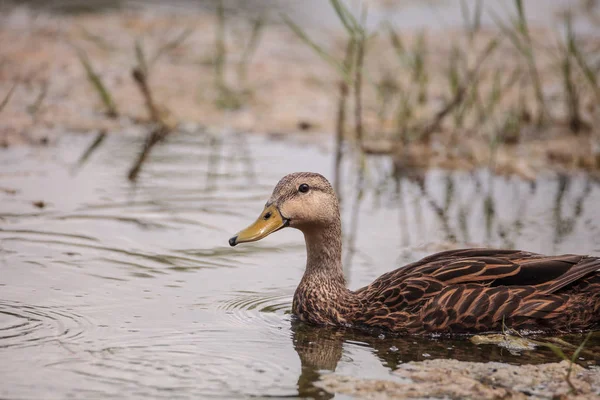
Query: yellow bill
x=269 y=221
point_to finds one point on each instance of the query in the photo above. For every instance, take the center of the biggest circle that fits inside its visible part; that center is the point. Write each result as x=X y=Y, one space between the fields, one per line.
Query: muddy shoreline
x=469 y=380
x=54 y=95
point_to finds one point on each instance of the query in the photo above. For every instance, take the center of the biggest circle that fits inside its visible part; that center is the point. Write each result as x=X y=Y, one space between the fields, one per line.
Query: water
x=131 y=291
x=405 y=15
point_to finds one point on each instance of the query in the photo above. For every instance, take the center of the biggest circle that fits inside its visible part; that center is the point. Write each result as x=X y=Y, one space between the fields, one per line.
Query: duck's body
x=463 y=291
x=457 y=291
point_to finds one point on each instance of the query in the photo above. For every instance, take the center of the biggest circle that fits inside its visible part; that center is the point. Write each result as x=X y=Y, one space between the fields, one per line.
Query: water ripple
x=208 y=362
x=251 y=308
x=23 y=325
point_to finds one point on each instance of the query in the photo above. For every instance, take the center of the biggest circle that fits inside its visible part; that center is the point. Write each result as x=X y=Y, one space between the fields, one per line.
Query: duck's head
x=302 y=200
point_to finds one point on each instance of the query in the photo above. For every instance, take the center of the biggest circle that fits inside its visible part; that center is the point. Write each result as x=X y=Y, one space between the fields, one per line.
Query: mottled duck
x=456 y=291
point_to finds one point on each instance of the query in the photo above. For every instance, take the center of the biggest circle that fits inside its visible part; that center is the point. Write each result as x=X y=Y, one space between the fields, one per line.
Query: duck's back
x=475 y=290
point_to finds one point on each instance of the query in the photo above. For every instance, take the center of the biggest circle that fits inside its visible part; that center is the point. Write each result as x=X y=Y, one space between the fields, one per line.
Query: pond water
x=113 y=289
x=405 y=15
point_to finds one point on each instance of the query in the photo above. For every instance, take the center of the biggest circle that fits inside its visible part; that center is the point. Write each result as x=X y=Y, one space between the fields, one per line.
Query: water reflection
x=322 y=349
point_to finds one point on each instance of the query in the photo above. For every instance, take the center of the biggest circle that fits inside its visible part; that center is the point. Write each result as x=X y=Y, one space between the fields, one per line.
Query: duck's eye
x=303 y=188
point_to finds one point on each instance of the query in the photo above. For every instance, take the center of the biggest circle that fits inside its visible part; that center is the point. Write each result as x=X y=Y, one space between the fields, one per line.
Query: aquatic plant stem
x=520 y=37
x=171 y=45
x=340 y=125
x=459 y=95
x=358 y=72
x=92 y=148
x=220 y=50
x=560 y=353
x=7 y=97
x=161 y=130
x=155 y=136
x=249 y=50
x=140 y=78
x=96 y=81
x=572 y=98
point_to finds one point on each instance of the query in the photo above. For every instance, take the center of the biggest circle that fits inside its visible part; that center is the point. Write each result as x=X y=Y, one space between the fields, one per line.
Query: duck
x=460 y=291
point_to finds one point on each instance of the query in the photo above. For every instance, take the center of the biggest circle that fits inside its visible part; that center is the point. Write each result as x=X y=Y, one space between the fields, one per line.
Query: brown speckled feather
x=476 y=290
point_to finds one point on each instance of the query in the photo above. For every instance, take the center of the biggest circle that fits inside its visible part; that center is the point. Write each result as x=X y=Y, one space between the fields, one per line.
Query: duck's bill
x=269 y=221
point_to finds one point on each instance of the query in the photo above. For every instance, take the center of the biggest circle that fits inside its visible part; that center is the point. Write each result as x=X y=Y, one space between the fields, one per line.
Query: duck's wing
x=409 y=287
x=571 y=301
x=466 y=308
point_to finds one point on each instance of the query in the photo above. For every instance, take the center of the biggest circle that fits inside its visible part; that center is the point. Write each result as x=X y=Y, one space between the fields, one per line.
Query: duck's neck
x=324 y=256
x=322 y=297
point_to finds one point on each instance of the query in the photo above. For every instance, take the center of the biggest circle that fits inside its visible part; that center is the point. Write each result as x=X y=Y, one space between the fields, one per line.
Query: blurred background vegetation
x=507 y=84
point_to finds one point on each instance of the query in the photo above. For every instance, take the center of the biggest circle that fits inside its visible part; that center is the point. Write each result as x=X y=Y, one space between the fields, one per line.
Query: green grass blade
x=96 y=82
x=582 y=61
x=510 y=33
x=396 y=40
x=581 y=347
x=318 y=49
x=491 y=46
x=346 y=18
x=521 y=15
x=556 y=350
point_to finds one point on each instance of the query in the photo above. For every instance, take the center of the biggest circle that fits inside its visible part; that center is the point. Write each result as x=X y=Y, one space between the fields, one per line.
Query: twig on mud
x=140 y=78
x=7 y=97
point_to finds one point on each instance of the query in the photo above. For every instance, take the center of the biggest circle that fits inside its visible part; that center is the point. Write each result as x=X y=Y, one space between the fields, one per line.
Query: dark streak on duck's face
x=299 y=200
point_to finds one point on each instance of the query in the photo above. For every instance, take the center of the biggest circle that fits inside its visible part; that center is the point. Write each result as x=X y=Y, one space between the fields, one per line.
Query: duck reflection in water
x=322 y=349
